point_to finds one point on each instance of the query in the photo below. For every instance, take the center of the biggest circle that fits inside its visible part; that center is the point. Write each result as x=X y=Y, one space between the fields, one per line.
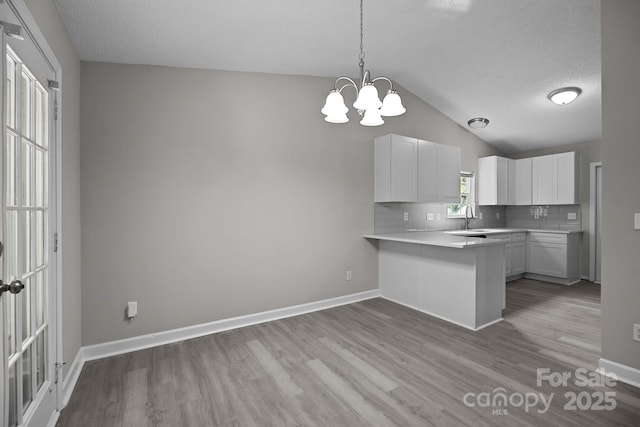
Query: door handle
x=14 y=287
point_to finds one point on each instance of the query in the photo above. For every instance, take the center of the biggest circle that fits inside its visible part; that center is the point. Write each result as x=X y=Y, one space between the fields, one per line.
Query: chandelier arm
x=384 y=78
x=350 y=83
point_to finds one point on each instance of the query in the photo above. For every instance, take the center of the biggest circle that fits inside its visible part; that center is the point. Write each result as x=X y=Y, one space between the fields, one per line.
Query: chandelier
x=367 y=101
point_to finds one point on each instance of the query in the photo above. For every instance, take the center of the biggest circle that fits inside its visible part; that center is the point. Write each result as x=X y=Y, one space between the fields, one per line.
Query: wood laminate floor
x=373 y=363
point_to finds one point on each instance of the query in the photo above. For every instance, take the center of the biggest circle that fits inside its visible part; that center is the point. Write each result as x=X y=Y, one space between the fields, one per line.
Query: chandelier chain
x=361 y=56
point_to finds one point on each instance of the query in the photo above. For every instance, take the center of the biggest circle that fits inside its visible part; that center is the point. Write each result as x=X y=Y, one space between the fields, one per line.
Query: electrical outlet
x=480 y=215
x=438 y=216
x=406 y=216
x=132 y=309
x=348 y=275
x=572 y=215
x=497 y=215
x=429 y=216
x=636 y=221
x=636 y=332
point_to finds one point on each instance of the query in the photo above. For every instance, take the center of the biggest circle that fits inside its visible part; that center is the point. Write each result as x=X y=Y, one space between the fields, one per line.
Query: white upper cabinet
x=438 y=173
x=556 y=179
x=567 y=177
x=410 y=170
x=496 y=177
x=543 y=180
x=523 y=181
x=396 y=162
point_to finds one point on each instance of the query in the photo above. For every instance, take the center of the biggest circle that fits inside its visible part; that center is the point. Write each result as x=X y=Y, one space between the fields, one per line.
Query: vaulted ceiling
x=497 y=59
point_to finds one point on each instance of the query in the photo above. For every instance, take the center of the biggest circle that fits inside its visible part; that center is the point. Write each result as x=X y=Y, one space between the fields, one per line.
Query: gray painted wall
x=211 y=194
x=590 y=151
x=46 y=15
x=620 y=173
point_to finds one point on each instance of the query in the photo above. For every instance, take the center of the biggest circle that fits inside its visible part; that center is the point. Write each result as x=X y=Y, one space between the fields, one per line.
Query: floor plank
x=373 y=363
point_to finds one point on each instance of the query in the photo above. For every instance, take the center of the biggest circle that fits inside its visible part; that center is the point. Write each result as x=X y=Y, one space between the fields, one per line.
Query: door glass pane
x=27 y=243
x=25 y=299
x=41 y=359
x=13 y=396
x=27 y=388
x=38 y=116
x=11 y=92
x=39 y=238
x=25 y=101
x=39 y=178
x=25 y=179
x=12 y=161
x=11 y=273
x=40 y=298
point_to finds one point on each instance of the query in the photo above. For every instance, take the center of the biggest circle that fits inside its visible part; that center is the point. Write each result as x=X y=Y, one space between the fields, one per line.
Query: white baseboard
x=112 y=348
x=624 y=373
x=444 y=318
x=73 y=373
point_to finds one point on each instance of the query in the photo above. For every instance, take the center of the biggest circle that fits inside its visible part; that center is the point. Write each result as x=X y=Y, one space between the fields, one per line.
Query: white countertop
x=501 y=230
x=457 y=238
x=436 y=238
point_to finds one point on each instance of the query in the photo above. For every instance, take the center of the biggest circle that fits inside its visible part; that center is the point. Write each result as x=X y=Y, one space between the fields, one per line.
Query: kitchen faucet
x=468 y=214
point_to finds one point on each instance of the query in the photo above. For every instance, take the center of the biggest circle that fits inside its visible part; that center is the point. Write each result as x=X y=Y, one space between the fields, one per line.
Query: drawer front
x=536 y=236
x=504 y=237
x=519 y=237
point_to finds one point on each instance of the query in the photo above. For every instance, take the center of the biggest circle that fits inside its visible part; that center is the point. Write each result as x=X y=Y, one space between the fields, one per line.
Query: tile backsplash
x=389 y=217
x=548 y=217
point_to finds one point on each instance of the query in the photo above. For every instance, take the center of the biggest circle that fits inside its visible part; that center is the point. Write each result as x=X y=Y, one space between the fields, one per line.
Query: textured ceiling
x=491 y=58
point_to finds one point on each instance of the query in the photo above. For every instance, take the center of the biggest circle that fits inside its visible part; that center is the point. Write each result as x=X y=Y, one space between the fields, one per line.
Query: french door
x=27 y=311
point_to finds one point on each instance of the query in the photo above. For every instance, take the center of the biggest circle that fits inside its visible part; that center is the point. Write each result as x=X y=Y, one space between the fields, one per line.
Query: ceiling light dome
x=478 y=123
x=565 y=95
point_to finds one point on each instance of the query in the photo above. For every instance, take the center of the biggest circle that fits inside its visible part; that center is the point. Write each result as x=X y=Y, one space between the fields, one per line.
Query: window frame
x=471 y=196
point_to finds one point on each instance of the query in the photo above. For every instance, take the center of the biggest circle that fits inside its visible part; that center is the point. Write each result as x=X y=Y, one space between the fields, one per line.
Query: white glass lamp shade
x=372 y=118
x=367 y=98
x=392 y=105
x=337 y=117
x=334 y=105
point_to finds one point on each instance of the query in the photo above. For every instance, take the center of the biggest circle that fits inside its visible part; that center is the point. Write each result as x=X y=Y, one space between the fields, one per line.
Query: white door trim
x=592 y=219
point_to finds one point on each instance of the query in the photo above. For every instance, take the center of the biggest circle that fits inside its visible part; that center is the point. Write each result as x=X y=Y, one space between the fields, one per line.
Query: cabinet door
x=518 y=257
x=448 y=173
x=549 y=259
x=494 y=175
x=523 y=182
x=566 y=179
x=487 y=181
x=396 y=162
x=428 y=171
x=404 y=158
x=507 y=259
x=542 y=180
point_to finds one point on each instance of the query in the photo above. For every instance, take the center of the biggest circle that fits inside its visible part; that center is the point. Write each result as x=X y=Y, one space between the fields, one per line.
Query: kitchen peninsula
x=456 y=278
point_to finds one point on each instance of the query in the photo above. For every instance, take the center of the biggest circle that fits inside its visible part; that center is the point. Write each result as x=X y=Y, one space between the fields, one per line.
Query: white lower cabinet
x=518 y=258
x=515 y=254
x=554 y=255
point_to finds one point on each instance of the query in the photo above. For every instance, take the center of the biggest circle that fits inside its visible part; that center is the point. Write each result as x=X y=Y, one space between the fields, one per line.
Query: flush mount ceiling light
x=478 y=123
x=367 y=102
x=565 y=95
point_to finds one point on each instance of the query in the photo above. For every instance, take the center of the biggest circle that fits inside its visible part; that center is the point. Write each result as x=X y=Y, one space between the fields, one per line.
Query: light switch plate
x=406 y=216
x=636 y=332
x=429 y=216
x=636 y=221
